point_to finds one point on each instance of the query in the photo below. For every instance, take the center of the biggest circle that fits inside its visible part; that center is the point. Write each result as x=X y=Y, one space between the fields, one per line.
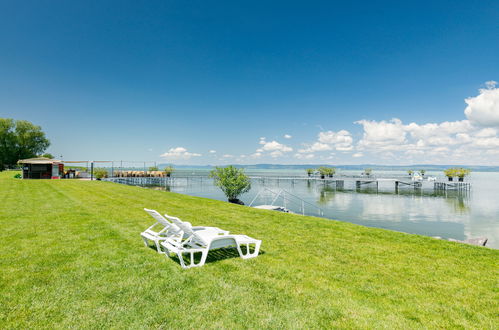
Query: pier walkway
x=338 y=182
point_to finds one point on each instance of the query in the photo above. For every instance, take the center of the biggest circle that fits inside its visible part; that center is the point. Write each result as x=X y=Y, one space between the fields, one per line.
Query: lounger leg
x=146 y=243
x=248 y=254
x=158 y=247
x=181 y=258
x=203 y=257
x=257 y=249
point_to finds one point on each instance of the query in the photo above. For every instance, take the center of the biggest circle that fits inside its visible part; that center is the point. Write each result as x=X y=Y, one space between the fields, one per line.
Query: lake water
x=446 y=214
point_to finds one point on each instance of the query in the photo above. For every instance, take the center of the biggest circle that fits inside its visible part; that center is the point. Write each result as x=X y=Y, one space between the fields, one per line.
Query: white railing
x=287 y=200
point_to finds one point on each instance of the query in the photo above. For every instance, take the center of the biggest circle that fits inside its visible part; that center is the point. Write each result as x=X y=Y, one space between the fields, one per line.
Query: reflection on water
x=451 y=214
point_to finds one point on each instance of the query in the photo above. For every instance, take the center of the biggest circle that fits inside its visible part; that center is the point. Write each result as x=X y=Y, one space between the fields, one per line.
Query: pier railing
x=288 y=200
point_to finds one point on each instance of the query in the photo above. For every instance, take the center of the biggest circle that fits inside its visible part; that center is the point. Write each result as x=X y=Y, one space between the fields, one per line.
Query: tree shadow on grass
x=213 y=255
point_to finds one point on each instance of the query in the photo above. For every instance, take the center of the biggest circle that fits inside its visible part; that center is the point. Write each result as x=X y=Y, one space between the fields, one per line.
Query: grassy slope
x=71 y=255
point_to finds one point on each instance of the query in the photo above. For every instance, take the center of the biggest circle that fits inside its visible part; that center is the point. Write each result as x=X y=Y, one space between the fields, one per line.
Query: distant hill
x=347 y=167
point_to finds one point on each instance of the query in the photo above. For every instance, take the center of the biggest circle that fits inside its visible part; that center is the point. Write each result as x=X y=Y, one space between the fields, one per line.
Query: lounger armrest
x=154 y=225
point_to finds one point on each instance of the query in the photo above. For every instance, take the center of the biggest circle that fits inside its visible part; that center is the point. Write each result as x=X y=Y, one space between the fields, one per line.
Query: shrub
x=153 y=168
x=232 y=181
x=368 y=171
x=462 y=172
x=17 y=176
x=310 y=171
x=168 y=170
x=100 y=173
x=450 y=172
x=326 y=171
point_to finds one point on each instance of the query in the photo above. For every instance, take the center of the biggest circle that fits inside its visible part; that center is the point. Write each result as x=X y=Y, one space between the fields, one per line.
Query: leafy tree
x=310 y=171
x=47 y=155
x=462 y=172
x=168 y=170
x=20 y=139
x=233 y=182
x=153 y=168
x=326 y=171
x=100 y=173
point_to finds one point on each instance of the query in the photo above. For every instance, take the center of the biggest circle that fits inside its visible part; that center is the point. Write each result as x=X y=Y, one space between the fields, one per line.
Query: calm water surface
x=448 y=215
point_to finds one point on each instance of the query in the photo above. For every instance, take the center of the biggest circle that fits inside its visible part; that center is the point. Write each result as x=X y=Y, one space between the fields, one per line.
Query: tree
x=20 y=139
x=233 y=182
x=100 y=173
x=47 y=155
x=153 y=168
x=310 y=171
x=326 y=171
x=169 y=170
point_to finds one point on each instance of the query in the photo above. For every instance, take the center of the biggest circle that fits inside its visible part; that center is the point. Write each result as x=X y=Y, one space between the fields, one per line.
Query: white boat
x=273 y=208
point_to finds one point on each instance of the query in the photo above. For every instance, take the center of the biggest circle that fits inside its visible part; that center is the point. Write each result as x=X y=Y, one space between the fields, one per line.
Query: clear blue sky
x=132 y=80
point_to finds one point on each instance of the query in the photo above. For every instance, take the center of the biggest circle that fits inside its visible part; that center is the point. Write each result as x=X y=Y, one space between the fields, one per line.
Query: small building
x=42 y=168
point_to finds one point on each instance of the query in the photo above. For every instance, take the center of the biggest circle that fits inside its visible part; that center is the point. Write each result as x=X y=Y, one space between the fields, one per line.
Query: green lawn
x=71 y=256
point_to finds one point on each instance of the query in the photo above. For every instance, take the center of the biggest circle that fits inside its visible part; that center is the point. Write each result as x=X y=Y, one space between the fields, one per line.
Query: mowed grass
x=71 y=256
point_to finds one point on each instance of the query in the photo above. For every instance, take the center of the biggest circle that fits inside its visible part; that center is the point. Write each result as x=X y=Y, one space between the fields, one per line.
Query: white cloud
x=273 y=146
x=486 y=132
x=227 y=156
x=287 y=136
x=330 y=140
x=179 y=153
x=277 y=153
x=304 y=156
x=317 y=146
x=483 y=109
x=341 y=140
x=212 y=151
x=384 y=135
x=358 y=155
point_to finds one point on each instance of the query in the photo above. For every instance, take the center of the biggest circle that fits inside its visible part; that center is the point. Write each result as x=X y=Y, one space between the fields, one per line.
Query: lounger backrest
x=186 y=227
x=159 y=218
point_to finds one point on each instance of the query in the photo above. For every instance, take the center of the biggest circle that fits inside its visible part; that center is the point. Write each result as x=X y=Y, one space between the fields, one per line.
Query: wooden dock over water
x=337 y=182
x=360 y=182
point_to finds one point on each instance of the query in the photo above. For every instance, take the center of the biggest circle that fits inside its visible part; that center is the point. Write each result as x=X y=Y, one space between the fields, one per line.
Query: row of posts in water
x=338 y=184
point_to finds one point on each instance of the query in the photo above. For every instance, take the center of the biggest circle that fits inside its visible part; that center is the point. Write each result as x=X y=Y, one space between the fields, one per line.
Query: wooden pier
x=337 y=182
x=459 y=186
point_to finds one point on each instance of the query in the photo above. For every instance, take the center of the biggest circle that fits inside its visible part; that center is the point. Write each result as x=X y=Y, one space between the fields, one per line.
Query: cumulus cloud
x=287 y=136
x=256 y=155
x=384 y=135
x=483 y=109
x=341 y=140
x=317 y=146
x=179 y=153
x=358 y=155
x=457 y=141
x=273 y=146
x=212 y=151
x=329 y=140
x=304 y=156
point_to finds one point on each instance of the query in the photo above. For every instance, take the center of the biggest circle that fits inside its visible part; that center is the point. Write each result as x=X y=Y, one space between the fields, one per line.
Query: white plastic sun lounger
x=204 y=241
x=169 y=230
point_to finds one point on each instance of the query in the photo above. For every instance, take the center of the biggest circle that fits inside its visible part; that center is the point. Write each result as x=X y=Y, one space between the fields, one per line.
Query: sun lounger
x=204 y=241
x=169 y=230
